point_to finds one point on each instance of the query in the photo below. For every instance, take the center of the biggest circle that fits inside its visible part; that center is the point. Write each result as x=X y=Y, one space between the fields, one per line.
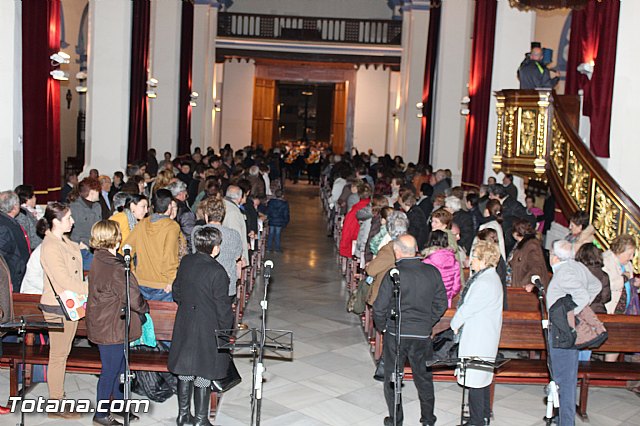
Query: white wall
x=237 y=103
x=414 y=44
x=625 y=110
x=107 y=131
x=11 y=98
x=371 y=109
x=164 y=62
x=371 y=9
x=451 y=86
x=216 y=120
x=203 y=63
x=514 y=33
x=393 y=119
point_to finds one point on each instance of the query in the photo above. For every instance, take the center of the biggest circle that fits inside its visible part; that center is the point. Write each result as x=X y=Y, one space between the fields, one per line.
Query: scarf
x=466 y=288
x=131 y=219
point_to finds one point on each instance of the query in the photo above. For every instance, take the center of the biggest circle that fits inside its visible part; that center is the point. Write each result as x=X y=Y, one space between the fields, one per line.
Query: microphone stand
x=397 y=379
x=21 y=328
x=551 y=390
x=258 y=367
x=127 y=376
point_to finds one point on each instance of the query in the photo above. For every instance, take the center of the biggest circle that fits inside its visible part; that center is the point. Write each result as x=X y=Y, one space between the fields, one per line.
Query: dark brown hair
x=590 y=255
x=522 y=228
x=495 y=209
x=54 y=210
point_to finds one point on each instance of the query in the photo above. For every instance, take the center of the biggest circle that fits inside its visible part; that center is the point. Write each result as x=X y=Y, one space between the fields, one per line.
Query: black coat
x=512 y=209
x=14 y=249
x=464 y=220
x=201 y=291
x=423 y=299
x=418 y=226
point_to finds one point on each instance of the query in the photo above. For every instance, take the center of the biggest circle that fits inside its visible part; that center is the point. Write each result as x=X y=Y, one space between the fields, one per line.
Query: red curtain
x=41 y=98
x=428 y=89
x=139 y=74
x=475 y=138
x=594 y=39
x=186 y=52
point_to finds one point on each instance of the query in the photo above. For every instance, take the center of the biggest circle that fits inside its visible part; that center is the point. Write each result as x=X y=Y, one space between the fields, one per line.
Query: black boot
x=185 y=389
x=201 y=397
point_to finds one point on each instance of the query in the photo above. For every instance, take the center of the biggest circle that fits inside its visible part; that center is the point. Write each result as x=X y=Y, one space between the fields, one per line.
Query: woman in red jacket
x=350 y=226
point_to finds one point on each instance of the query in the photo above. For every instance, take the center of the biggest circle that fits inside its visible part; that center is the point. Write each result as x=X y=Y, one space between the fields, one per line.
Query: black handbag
x=229 y=381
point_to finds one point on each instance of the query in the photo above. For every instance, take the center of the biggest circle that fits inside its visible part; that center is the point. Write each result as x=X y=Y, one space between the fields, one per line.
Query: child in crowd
x=278 y=214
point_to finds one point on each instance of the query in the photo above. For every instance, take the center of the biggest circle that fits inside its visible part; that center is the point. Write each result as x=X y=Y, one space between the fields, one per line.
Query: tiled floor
x=328 y=379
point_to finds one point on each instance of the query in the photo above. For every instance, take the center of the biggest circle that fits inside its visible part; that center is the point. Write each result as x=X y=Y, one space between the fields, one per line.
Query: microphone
x=395 y=275
x=268 y=264
x=127 y=253
x=535 y=280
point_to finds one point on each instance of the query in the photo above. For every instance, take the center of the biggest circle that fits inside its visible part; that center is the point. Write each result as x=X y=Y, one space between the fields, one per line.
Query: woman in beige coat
x=617 y=264
x=62 y=265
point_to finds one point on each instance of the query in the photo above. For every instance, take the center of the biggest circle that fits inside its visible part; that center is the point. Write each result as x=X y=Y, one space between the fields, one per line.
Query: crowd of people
x=393 y=215
x=199 y=215
x=181 y=219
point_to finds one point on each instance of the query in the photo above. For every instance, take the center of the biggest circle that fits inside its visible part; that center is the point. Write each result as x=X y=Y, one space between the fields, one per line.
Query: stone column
x=205 y=28
x=371 y=109
x=237 y=103
x=514 y=33
x=414 y=51
x=11 y=99
x=164 y=65
x=452 y=75
x=625 y=108
x=108 y=84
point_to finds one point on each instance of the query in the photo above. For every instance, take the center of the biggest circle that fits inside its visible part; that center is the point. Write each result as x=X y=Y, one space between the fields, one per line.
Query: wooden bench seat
x=522 y=330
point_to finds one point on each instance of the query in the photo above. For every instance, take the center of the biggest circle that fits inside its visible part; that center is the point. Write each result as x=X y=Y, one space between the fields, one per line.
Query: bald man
x=533 y=74
x=423 y=301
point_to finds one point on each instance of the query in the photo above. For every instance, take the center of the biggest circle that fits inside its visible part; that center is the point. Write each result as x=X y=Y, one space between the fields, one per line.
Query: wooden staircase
x=537 y=138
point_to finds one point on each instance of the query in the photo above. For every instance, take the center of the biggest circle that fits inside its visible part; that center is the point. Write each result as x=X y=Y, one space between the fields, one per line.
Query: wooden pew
x=87 y=359
x=523 y=330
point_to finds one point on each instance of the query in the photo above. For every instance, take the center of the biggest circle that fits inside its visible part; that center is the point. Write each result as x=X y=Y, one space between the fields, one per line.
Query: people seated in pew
x=478 y=322
x=62 y=264
x=201 y=291
x=104 y=319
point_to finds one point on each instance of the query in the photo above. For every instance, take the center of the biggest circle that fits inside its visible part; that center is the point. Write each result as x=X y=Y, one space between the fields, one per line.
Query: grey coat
x=480 y=317
x=85 y=214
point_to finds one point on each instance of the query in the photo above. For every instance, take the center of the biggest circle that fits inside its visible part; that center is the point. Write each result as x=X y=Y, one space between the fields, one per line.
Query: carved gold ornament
x=578 y=181
x=528 y=127
x=606 y=214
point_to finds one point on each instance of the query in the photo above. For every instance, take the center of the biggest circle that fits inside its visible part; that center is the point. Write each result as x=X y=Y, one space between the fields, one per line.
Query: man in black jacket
x=417 y=219
x=512 y=209
x=423 y=301
x=13 y=243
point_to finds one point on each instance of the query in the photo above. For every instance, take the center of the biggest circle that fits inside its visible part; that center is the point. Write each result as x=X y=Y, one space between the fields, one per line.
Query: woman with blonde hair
x=105 y=324
x=478 y=321
x=62 y=265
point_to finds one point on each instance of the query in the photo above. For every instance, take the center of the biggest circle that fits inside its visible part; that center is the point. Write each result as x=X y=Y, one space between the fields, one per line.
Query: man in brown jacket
x=155 y=243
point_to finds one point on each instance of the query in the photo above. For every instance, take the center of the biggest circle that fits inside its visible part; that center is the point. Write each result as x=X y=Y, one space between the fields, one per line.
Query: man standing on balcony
x=533 y=74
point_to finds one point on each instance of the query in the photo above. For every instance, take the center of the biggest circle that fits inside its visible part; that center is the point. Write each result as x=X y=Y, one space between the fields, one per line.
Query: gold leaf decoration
x=606 y=214
x=577 y=181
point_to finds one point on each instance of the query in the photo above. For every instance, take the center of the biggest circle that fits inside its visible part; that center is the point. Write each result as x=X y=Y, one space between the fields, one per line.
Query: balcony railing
x=292 y=28
x=536 y=137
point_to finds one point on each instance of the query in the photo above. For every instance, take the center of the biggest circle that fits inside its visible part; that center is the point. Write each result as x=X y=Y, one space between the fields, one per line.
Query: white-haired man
x=572 y=278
